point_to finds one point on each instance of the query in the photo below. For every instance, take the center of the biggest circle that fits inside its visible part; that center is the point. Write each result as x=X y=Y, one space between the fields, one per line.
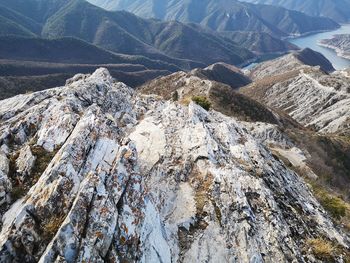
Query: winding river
x=311 y=41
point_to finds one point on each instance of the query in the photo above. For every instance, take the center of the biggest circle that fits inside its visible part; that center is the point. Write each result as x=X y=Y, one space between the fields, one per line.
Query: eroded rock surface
x=307 y=93
x=132 y=178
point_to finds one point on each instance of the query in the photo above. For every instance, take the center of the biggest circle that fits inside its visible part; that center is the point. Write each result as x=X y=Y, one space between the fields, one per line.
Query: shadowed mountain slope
x=338 y=10
x=225 y=15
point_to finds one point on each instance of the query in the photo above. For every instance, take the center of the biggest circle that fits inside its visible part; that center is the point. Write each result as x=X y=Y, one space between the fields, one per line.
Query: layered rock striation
x=95 y=172
x=303 y=85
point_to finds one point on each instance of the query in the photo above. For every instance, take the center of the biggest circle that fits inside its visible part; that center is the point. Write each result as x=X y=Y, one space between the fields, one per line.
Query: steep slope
x=36 y=10
x=208 y=190
x=337 y=10
x=193 y=42
x=340 y=43
x=321 y=158
x=225 y=15
x=260 y=43
x=311 y=96
x=8 y=27
x=20 y=20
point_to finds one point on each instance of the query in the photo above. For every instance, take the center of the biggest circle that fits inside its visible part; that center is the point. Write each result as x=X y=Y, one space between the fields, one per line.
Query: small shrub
x=322 y=249
x=335 y=206
x=202 y=101
x=332 y=204
x=175 y=96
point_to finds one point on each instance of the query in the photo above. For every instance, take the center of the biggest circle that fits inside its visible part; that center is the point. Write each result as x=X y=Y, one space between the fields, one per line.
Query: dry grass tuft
x=52 y=225
x=322 y=249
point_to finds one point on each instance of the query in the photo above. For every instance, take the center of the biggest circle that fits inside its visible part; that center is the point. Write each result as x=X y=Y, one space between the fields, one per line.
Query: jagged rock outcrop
x=306 y=91
x=125 y=177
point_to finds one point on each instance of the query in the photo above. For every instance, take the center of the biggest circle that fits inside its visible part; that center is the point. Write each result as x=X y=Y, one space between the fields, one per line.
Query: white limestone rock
x=25 y=161
x=137 y=179
x=5 y=184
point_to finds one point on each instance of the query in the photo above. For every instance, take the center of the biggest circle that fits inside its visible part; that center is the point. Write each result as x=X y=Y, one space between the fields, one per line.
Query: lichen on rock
x=133 y=178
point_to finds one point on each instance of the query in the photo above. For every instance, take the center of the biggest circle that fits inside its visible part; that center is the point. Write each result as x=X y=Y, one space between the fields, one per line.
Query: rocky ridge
x=131 y=177
x=340 y=43
x=291 y=63
x=309 y=93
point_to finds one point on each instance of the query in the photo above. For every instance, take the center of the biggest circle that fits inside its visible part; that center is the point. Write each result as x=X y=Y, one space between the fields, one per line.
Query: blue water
x=312 y=40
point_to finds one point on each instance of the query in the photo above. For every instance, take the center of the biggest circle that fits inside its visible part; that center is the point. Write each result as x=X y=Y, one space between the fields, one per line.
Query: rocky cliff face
x=94 y=172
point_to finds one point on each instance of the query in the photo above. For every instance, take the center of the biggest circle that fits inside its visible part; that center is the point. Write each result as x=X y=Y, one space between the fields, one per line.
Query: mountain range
x=125 y=33
x=63 y=37
x=71 y=36
x=161 y=45
x=225 y=15
x=338 y=10
x=122 y=32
